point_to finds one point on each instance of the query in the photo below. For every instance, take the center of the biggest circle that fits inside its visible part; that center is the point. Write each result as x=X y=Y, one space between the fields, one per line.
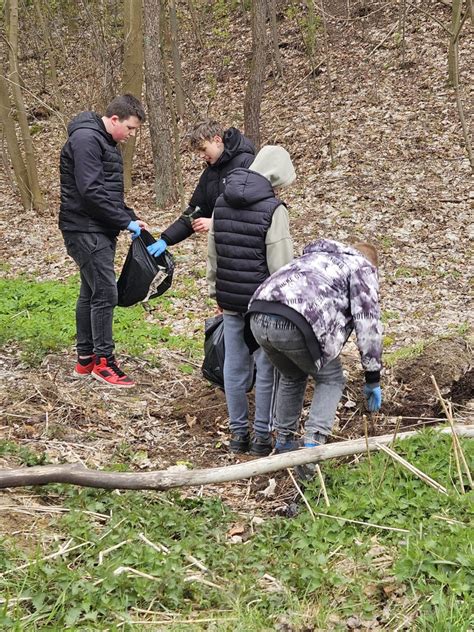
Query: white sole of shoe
x=81 y=376
x=103 y=381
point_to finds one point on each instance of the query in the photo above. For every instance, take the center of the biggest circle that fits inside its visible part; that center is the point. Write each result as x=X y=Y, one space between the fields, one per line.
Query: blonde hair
x=204 y=131
x=369 y=251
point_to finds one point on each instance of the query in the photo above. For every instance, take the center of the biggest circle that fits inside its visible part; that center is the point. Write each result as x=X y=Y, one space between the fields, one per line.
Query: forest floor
x=399 y=178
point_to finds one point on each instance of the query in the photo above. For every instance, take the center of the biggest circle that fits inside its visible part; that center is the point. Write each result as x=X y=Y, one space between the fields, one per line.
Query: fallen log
x=77 y=474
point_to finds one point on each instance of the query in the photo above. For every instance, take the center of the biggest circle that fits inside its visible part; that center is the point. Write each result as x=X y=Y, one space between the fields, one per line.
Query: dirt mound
x=449 y=360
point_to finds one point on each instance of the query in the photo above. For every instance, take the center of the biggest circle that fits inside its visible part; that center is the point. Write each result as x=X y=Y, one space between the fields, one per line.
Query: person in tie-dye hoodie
x=302 y=316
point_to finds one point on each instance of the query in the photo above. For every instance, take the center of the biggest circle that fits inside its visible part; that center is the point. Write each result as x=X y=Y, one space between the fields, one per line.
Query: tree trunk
x=52 y=62
x=77 y=474
x=178 y=75
x=271 y=8
x=157 y=107
x=256 y=80
x=132 y=81
x=33 y=182
x=328 y=83
x=19 y=169
x=453 y=44
x=196 y=24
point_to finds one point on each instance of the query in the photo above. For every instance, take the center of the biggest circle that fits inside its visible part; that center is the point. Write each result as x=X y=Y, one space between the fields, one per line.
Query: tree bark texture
x=157 y=107
x=8 y=123
x=30 y=163
x=258 y=68
x=177 y=73
x=132 y=77
x=77 y=474
x=271 y=8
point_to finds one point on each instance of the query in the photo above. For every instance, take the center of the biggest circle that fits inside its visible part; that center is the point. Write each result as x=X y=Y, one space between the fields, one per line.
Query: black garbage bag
x=214 y=353
x=214 y=350
x=143 y=276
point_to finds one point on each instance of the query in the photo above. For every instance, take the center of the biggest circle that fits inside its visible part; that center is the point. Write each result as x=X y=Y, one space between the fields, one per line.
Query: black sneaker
x=239 y=444
x=261 y=446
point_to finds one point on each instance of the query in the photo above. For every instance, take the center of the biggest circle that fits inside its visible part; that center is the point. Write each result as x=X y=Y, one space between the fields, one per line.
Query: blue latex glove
x=134 y=228
x=373 y=393
x=157 y=248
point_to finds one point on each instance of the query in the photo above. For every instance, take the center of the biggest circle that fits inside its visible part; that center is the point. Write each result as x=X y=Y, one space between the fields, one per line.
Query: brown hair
x=125 y=106
x=368 y=251
x=204 y=130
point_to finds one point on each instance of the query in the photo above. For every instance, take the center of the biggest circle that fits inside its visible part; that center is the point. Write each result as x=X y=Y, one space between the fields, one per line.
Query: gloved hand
x=157 y=248
x=373 y=393
x=135 y=228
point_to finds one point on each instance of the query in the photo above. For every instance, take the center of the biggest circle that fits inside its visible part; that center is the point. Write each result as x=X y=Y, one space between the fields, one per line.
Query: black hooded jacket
x=238 y=152
x=91 y=170
x=242 y=217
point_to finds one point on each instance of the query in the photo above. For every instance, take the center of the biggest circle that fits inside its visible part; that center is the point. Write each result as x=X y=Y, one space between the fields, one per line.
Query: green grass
x=324 y=570
x=40 y=318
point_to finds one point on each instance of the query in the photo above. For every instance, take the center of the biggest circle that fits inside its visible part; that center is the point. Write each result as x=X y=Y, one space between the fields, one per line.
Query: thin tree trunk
x=452 y=53
x=196 y=24
x=33 y=182
x=77 y=474
x=132 y=81
x=178 y=75
x=19 y=169
x=271 y=7
x=52 y=62
x=328 y=83
x=157 y=108
x=256 y=80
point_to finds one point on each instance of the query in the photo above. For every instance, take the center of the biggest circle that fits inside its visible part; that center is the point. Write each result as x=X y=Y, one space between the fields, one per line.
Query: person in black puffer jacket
x=222 y=151
x=92 y=213
x=249 y=240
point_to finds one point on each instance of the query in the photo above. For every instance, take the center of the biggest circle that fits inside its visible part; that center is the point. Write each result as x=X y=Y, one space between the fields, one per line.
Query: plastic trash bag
x=214 y=350
x=143 y=276
x=214 y=353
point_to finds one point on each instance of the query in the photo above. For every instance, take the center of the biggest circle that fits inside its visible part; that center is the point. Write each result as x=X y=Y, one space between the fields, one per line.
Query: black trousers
x=94 y=253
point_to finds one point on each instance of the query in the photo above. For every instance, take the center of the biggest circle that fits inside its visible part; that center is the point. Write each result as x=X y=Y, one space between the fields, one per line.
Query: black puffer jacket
x=242 y=217
x=238 y=152
x=92 y=179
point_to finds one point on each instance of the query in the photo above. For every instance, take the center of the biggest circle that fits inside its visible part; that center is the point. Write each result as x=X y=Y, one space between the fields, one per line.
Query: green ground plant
x=39 y=317
x=302 y=571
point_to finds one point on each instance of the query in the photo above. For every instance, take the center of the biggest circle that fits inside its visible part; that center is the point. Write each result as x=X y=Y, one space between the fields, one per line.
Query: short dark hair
x=125 y=106
x=204 y=130
x=369 y=252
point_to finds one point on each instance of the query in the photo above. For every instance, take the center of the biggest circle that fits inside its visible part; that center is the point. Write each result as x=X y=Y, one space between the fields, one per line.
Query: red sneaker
x=84 y=366
x=107 y=370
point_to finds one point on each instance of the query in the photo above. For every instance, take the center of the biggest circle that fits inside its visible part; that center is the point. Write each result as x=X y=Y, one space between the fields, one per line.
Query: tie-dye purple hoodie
x=335 y=288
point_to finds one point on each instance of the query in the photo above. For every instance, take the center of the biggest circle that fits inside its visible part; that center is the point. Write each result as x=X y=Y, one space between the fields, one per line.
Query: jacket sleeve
x=131 y=212
x=365 y=310
x=200 y=197
x=89 y=177
x=211 y=262
x=179 y=230
x=278 y=240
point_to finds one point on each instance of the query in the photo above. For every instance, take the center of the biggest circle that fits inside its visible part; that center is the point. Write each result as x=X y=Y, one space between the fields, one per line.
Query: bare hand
x=143 y=225
x=202 y=224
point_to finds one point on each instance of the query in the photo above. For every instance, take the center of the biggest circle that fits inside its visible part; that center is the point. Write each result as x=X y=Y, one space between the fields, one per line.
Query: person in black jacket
x=222 y=151
x=92 y=213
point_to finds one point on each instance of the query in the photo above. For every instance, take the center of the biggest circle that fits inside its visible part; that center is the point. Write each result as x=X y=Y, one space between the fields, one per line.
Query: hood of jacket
x=244 y=188
x=234 y=143
x=274 y=163
x=331 y=247
x=89 y=120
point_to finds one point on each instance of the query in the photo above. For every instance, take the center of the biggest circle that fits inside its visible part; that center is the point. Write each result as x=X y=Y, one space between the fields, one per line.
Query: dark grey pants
x=94 y=253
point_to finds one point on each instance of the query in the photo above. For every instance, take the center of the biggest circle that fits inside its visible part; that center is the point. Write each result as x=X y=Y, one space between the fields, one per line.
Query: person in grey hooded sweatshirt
x=248 y=241
x=302 y=316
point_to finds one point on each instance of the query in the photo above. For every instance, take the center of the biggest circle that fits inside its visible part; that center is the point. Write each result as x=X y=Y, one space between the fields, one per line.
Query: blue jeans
x=94 y=253
x=285 y=345
x=238 y=375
